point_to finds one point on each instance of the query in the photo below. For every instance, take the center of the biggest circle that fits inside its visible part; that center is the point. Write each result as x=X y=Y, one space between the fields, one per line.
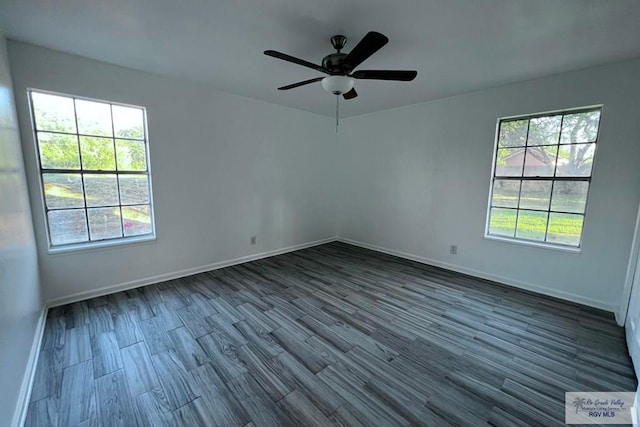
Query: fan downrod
x=338 y=41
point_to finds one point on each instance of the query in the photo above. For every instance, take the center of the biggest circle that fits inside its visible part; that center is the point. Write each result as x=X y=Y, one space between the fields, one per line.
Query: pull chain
x=337 y=111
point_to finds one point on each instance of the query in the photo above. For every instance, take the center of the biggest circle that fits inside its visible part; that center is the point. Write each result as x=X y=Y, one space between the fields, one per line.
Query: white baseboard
x=20 y=414
x=80 y=296
x=484 y=275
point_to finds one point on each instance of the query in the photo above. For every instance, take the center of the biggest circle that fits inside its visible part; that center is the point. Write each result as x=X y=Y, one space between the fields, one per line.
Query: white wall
x=411 y=180
x=224 y=168
x=20 y=305
x=416 y=179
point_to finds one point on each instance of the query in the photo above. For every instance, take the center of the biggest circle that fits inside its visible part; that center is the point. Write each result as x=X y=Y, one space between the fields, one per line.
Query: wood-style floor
x=328 y=335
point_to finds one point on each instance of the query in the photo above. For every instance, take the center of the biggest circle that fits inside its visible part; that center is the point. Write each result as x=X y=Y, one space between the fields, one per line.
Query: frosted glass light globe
x=337 y=85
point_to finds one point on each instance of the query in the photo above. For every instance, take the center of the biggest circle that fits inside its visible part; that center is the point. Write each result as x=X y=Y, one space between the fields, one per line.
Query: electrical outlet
x=253 y=240
x=453 y=249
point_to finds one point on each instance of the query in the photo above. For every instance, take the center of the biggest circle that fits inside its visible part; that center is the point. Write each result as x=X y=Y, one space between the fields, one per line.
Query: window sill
x=93 y=246
x=566 y=249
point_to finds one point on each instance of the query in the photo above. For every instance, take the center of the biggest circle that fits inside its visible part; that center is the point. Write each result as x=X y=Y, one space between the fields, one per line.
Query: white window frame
x=91 y=244
x=537 y=243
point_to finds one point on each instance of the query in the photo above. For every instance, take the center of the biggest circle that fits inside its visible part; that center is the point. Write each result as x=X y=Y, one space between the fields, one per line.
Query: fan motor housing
x=334 y=63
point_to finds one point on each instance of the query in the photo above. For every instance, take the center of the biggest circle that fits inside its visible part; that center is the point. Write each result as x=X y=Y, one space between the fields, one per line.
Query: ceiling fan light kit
x=337 y=85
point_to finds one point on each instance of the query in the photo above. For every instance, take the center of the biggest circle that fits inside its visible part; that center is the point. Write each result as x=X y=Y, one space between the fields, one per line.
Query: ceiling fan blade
x=401 y=75
x=306 y=82
x=369 y=45
x=295 y=60
x=351 y=94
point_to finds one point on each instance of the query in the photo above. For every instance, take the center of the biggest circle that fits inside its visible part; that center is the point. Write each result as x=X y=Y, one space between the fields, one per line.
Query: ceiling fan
x=340 y=66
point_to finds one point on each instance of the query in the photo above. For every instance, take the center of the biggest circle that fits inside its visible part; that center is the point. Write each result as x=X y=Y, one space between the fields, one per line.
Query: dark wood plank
x=223 y=352
x=169 y=318
x=299 y=348
x=194 y=322
x=155 y=335
x=187 y=349
x=127 y=330
x=297 y=406
x=114 y=402
x=223 y=323
x=106 y=354
x=217 y=405
x=263 y=373
x=77 y=346
x=42 y=413
x=54 y=333
x=139 y=371
x=152 y=409
x=264 y=344
x=369 y=407
x=48 y=377
x=77 y=395
x=262 y=410
x=298 y=376
x=174 y=378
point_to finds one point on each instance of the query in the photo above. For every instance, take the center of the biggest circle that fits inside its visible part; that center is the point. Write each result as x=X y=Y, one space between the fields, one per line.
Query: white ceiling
x=456 y=45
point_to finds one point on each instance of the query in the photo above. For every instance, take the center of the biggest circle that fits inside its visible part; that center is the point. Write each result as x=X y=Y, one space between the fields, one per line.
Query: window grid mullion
x=524 y=162
x=84 y=193
x=499 y=207
x=128 y=205
x=553 y=181
x=541 y=178
x=115 y=156
x=58 y=132
x=94 y=172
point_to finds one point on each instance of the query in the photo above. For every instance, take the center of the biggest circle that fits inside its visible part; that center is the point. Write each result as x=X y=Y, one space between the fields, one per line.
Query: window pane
x=575 y=160
x=505 y=193
x=128 y=122
x=104 y=223
x=502 y=222
x=509 y=162
x=544 y=130
x=131 y=155
x=565 y=228
x=58 y=151
x=513 y=133
x=569 y=196
x=580 y=127
x=67 y=226
x=531 y=225
x=101 y=190
x=94 y=118
x=53 y=112
x=134 y=189
x=535 y=195
x=137 y=220
x=93 y=160
x=97 y=153
x=540 y=161
x=62 y=190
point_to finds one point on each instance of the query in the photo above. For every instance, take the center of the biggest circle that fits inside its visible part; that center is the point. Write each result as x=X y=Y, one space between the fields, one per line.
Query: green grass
x=563 y=228
x=59 y=189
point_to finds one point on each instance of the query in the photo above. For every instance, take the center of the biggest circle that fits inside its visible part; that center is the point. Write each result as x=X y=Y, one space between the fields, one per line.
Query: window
x=541 y=176
x=94 y=168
